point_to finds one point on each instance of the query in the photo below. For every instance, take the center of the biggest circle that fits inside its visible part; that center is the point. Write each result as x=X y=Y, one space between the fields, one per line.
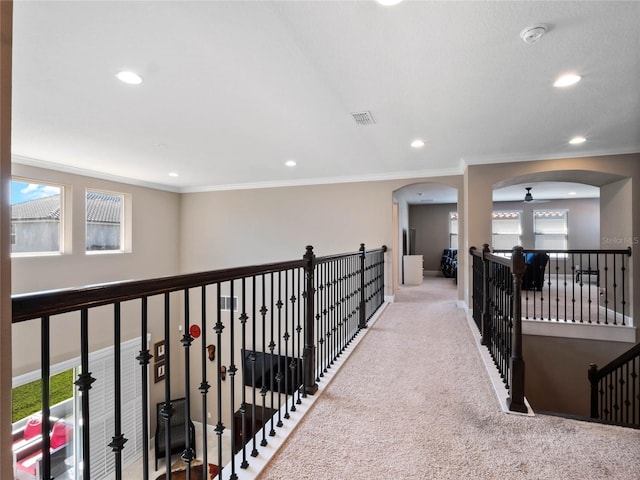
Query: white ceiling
x=232 y=90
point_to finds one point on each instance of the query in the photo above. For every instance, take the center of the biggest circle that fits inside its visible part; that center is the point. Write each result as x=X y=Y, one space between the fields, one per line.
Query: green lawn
x=27 y=399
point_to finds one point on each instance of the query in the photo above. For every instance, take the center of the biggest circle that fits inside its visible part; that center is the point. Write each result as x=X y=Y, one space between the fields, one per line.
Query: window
x=104 y=214
x=550 y=229
x=36 y=217
x=506 y=229
x=227 y=303
x=453 y=229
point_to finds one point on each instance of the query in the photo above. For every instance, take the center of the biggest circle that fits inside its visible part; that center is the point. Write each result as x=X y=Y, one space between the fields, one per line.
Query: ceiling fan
x=528 y=197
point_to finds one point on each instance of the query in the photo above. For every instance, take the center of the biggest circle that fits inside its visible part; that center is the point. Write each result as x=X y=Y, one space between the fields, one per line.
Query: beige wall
x=155 y=247
x=432 y=231
x=556 y=371
x=584 y=220
x=480 y=179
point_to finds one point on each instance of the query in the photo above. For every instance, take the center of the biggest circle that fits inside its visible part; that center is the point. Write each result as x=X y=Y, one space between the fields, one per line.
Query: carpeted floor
x=414 y=402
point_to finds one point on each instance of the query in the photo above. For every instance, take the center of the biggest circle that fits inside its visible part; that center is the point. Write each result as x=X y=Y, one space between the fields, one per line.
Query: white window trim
x=125 y=223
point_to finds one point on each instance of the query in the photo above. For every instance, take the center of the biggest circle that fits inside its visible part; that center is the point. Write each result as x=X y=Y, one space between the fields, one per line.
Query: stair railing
x=615 y=389
x=279 y=327
x=498 y=316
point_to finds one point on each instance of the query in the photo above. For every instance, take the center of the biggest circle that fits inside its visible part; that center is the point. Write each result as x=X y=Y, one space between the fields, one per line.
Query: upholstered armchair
x=176 y=425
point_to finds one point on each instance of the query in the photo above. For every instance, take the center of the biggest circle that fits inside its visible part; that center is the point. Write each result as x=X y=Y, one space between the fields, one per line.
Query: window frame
x=124 y=223
x=453 y=216
x=505 y=214
x=63 y=226
x=537 y=234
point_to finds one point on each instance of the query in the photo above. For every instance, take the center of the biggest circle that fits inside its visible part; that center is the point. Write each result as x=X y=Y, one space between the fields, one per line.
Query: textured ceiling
x=232 y=90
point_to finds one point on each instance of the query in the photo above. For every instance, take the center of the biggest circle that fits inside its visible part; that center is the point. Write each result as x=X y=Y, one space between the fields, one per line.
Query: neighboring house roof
x=46 y=208
x=101 y=208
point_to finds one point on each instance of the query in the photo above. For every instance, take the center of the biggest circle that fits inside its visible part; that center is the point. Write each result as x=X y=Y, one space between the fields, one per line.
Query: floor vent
x=363 y=118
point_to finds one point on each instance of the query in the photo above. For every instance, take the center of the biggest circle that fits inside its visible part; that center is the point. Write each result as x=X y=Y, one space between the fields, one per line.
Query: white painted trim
x=389 y=298
x=58 y=167
x=587 y=331
x=375 y=177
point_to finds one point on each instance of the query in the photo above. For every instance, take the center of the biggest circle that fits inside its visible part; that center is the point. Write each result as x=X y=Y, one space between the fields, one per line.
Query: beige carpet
x=414 y=402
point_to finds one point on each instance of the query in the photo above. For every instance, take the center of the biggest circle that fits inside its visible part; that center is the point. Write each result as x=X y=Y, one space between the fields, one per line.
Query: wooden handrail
x=28 y=306
x=630 y=354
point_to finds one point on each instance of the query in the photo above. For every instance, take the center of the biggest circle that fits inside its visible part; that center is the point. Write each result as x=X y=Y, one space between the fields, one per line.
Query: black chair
x=535 y=264
x=176 y=425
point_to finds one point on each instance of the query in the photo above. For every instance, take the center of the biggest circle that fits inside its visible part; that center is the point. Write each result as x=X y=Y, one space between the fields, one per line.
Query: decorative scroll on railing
x=497 y=312
x=255 y=341
x=615 y=390
x=578 y=286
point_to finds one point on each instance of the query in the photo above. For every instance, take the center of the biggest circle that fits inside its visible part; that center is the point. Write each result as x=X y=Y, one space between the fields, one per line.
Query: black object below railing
x=577 y=286
x=615 y=390
x=497 y=312
x=279 y=326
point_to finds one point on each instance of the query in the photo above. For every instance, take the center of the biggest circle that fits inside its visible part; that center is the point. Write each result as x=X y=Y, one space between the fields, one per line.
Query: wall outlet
x=208 y=414
x=179 y=328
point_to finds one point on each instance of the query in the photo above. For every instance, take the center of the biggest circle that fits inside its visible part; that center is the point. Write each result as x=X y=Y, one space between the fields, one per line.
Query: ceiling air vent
x=363 y=118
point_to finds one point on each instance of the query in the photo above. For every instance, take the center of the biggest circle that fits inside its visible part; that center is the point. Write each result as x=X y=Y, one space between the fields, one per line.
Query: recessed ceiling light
x=417 y=143
x=577 y=140
x=567 y=80
x=129 y=77
x=388 y=3
x=573 y=193
x=290 y=163
x=173 y=174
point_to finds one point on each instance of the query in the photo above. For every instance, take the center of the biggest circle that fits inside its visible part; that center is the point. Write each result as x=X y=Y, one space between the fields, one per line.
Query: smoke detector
x=533 y=33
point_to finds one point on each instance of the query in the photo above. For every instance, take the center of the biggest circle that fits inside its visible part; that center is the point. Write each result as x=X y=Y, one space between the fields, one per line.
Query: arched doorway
x=425 y=219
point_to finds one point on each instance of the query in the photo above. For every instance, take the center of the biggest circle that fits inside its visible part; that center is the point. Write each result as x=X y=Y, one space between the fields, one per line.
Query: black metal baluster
x=294 y=359
x=218 y=328
x=243 y=408
x=573 y=288
x=624 y=292
x=320 y=331
x=557 y=285
x=143 y=359
x=252 y=359
x=263 y=390
x=272 y=346
x=279 y=305
x=615 y=288
x=287 y=336
x=300 y=381
x=84 y=385
x=45 y=362
x=204 y=383
x=564 y=269
x=118 y=440
x=231 y=371
x=598 y=300
x=589 y=298
x=188 y=454
x=167 y=410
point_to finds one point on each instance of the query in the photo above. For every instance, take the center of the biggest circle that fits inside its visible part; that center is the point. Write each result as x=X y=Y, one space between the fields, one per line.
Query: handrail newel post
x=486 y=335
x=362 y=323
x=309 y=355
x=516 y=401
x=593 y=380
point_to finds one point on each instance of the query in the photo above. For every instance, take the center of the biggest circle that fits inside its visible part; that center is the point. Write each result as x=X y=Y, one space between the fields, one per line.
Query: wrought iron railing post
x=362 y=321
x=593 y=380
x=516 y=398
x=486 y=334
x=309 y=355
